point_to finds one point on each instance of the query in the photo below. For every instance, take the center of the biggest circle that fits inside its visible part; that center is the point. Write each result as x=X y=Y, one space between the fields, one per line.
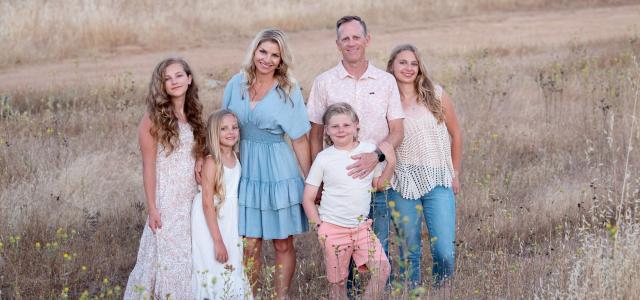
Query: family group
x=370 y=151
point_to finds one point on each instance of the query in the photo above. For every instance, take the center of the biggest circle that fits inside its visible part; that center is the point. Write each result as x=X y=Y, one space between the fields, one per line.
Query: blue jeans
x=439 y=209
x=379 y=213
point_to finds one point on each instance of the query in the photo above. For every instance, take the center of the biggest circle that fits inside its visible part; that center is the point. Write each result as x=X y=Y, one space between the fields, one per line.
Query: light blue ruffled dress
x=271 y=185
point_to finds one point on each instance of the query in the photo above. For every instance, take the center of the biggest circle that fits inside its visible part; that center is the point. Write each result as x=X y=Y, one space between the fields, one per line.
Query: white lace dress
x=164 y=268
x=213 y=280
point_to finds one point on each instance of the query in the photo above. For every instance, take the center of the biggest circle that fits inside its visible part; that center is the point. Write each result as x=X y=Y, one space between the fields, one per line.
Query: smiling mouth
x=265 y=65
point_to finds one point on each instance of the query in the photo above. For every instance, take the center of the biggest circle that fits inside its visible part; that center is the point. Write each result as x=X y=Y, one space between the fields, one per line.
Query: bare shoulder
x=145 y=124
x=209 y=167
x=145 y=139
x=445 y=98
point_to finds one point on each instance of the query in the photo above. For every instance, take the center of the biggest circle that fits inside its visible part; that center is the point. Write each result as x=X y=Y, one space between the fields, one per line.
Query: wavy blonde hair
x=340 y=108
x=423 y=84
x=283 y=73
x=213 y=150
x=162 y=114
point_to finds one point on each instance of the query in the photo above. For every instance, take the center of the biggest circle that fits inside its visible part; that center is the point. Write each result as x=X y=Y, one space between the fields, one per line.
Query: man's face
x=352 y=41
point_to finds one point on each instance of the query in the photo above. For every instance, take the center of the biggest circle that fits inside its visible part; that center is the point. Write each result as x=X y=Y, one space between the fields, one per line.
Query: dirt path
x=315 y=50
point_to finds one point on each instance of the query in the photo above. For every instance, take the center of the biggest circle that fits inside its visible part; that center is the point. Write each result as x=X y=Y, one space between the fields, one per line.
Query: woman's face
x=405 y=67
x=267 y=58
x=229 y=131
x=341 y=129
x=176 y=80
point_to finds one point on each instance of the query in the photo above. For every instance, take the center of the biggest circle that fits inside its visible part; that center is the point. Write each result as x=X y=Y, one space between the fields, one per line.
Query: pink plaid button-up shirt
x=374 y=96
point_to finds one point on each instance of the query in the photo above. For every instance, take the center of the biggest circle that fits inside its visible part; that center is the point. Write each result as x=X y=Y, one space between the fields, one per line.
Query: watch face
x=381 y=157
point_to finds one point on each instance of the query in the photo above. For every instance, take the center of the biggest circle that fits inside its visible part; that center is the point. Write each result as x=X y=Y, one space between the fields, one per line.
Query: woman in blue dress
x=269 y=105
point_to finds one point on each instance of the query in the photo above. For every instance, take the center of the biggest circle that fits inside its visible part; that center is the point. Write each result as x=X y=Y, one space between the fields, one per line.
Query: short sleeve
x=394 y=109
x=293 y=118
x=315 y=173
x=317 y=104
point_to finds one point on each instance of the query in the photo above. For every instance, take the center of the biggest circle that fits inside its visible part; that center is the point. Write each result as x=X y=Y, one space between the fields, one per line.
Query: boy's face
x=341 y=129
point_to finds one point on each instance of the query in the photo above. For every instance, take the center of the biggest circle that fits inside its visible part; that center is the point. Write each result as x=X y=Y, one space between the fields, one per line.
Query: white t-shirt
x=345 y=201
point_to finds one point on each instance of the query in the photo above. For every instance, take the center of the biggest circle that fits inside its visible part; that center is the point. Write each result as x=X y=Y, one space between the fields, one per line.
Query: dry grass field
x=547 y=93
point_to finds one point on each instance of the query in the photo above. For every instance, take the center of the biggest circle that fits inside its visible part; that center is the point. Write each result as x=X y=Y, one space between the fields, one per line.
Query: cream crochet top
x=424 y=156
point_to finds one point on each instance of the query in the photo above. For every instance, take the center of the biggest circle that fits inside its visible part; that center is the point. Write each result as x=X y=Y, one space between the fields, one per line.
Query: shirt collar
x=369 y=73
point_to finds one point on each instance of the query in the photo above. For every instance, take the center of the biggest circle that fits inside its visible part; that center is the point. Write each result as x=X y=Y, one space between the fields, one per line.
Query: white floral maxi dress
x=163 y=269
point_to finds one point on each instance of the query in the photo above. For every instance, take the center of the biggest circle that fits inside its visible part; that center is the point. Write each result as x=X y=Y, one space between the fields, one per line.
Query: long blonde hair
x=162 y=114
x=423 y=84
x=213 y=150
x=282 y=73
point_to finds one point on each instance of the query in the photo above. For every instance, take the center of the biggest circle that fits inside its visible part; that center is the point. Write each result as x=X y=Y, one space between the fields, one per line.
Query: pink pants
x=340 y=244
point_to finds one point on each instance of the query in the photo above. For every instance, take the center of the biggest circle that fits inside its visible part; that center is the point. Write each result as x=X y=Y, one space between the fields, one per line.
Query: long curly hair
x=162 y=113
x=213 y=150
x=283 y=73
x=423 y=84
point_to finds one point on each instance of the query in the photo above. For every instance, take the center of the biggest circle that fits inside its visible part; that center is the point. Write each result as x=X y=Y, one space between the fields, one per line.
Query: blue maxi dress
x=271 y=185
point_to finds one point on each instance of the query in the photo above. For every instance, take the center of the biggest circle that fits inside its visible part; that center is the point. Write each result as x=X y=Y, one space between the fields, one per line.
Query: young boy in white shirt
x=343 y=228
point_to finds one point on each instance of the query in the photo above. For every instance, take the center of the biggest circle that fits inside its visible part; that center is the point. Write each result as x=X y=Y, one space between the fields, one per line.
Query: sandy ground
x=315 y=50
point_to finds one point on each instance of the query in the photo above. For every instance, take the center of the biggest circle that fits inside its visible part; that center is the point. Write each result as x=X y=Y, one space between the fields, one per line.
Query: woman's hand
x=455 y=185
x=221 y=251
x=154 y=221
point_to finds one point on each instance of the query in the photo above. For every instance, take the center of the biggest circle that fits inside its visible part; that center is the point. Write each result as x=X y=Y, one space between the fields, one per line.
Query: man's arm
x=366 y=162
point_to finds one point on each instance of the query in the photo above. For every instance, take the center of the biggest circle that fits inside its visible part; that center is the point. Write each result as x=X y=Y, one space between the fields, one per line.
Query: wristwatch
x=381 y=157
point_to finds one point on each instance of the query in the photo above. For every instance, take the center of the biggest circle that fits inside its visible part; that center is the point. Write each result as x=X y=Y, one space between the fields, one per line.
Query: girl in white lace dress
x=217 y=246
x=171 y=136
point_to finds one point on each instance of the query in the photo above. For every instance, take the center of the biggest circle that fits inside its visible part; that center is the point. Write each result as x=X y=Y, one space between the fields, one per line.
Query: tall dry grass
x=549 y=208
x=87 y=27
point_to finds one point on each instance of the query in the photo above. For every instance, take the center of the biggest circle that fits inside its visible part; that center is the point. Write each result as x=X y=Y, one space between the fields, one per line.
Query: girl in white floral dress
x=171 y=136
